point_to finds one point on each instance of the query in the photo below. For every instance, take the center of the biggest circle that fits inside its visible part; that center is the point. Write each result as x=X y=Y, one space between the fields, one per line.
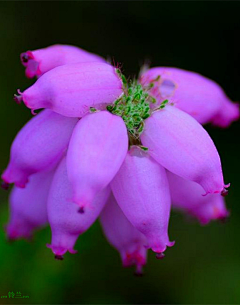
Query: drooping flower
x=28 y=206
x=141 y=190
x=38 y=146
x=193 y=93
x=71 y=90
x=104 y=134
x=187 y=197
x=123 y=236
x=98 y=146
x=40 y=61
x=180 y=144
x=65 y=221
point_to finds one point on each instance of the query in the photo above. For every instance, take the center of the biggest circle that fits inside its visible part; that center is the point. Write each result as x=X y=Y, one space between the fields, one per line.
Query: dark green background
x=204 y=265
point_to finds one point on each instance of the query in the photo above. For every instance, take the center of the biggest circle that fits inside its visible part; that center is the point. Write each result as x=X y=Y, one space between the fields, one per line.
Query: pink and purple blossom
x=126 y=152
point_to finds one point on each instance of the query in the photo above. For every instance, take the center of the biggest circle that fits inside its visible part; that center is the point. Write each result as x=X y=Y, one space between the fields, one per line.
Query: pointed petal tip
x=8 y=177
x=60 y=251
x=159 y=250
x=33 y=112
x=171 y=243
x=72 y=251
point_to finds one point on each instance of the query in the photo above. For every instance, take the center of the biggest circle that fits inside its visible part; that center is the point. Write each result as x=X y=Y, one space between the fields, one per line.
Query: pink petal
x=40 y=61
x=181 y=145
x=187 y=196
x=65 y=221
x=123 y=236
x=96 y=151
x=228 y=113
x=193 y=93
x=72 y=89
x=39 y=145
x=141 y=190
x=28 y=207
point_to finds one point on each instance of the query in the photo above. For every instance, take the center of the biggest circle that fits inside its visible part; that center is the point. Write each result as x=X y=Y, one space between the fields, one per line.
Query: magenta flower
x=40 y=61
x=123 y=236
x=193 y=93
x=186 y=196
x=124 y=151
x=28 y=206
x=65 y=221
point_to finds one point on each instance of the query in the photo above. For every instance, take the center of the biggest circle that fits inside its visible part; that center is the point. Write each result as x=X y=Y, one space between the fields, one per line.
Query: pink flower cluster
x=125 y=152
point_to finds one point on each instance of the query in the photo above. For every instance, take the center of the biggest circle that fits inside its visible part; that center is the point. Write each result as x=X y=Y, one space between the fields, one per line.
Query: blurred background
x=204 y=265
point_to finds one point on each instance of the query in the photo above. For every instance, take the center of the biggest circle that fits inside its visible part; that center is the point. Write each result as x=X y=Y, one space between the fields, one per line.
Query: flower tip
x=24 y=58
x=171 y=243
x=59 y=251
x=5 y=185
x=58 y=257
x=160 y=255
x=72 y=251
x=15 y=231
x=224 y=192
x=33 y=112
x=139 y=272
x=223 y=219
x=17 y=98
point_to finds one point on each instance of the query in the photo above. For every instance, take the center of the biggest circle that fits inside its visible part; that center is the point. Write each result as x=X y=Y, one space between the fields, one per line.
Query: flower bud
x=181 y=145
x=96 y=151
x=142 y=192
x=38 y=146
x=28 y=206
x=71 y=90
x=187 y=196
x=193 y=93
x=65 y=221
x=40 y=61
x=123 y=236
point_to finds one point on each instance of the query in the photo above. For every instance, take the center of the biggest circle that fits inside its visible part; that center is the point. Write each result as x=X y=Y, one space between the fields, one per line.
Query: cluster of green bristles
x=134 y=105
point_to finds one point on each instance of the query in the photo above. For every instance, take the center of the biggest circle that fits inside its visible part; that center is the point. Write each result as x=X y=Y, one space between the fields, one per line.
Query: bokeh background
x=204 y=265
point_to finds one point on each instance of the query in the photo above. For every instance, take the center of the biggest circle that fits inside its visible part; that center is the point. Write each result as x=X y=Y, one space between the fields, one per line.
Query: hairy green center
x=134 y=105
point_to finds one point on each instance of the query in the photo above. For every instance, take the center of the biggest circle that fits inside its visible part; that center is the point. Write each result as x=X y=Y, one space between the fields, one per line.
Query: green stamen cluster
x=134 y=105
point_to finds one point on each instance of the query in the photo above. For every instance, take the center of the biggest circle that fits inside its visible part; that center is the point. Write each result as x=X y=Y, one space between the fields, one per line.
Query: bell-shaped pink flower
x=187 y=196
x=181 y=145
x=38 y=146
x=72 y=89
x=123 y=236
x=96 y=151
x=40 y=61
x=193 y=93
x=101 y=133
x=65 y=221
x=28 y=206
x=141 y=190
